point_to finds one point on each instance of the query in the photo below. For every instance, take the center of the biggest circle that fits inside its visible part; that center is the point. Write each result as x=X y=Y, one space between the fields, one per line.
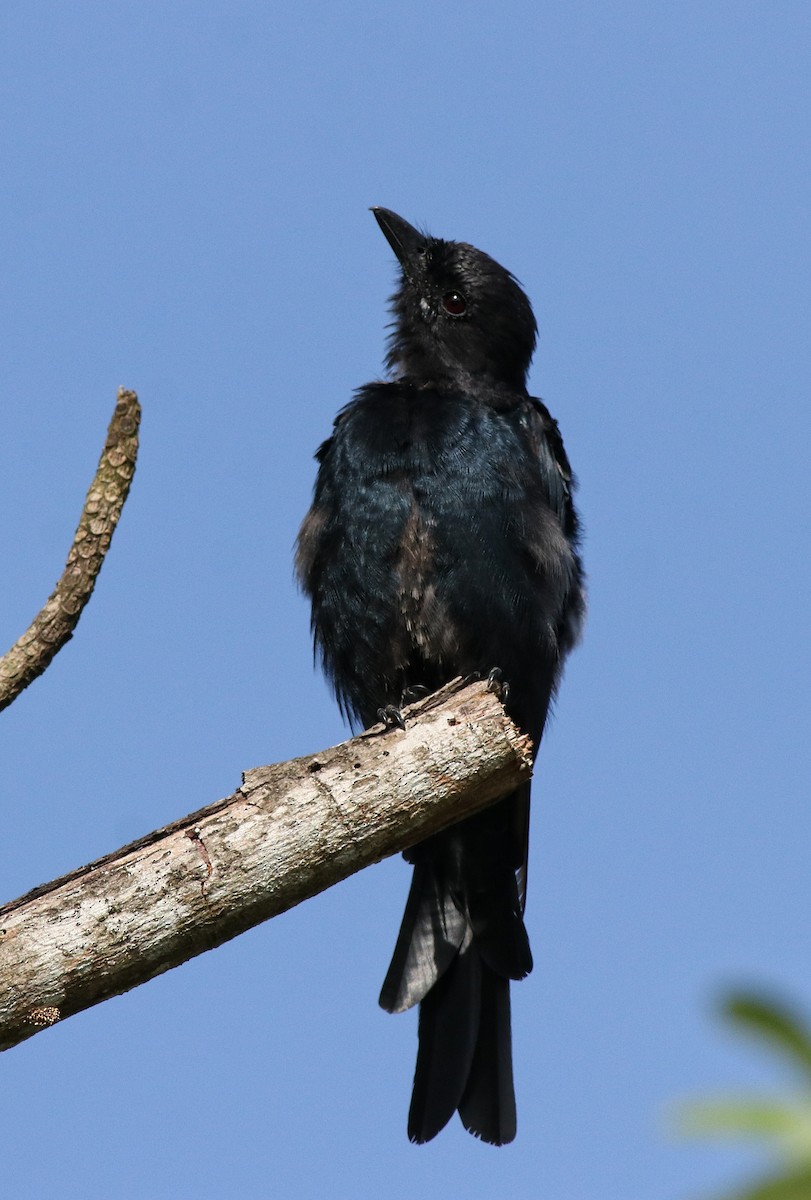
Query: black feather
x=448 y=1036
x=443 y=541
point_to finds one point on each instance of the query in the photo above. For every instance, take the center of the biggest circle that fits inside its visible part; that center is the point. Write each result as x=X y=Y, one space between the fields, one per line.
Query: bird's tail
x=461 y=941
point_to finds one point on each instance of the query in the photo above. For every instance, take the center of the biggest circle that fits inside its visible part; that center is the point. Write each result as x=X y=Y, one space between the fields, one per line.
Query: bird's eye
x=454 y=303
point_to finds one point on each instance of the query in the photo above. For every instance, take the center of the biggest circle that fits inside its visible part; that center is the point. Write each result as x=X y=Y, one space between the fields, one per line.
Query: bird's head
x=457 y=313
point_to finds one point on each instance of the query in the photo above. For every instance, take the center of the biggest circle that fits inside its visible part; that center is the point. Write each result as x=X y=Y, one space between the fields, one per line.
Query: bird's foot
x=414 y=692
x=498 y=685
x=391 y=717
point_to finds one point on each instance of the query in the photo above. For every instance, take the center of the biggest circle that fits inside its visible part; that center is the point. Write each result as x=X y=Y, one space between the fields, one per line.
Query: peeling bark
x=291 y=830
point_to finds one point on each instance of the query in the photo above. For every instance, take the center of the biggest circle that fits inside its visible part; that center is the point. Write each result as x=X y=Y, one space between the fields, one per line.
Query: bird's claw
x=391 y=717
x=415 y=691
x=498 y=685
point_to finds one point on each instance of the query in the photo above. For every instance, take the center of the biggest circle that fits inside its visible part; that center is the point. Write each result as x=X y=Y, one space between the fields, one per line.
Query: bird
x=443 y=541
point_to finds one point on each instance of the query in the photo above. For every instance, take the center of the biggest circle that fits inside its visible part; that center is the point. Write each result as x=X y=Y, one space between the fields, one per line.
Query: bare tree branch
x=290 y=831
x=54 y=625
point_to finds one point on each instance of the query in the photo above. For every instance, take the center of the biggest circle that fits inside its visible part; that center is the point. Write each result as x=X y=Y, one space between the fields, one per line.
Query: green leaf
x=796 y=1185
x=786 y=1125
x=774 y=1024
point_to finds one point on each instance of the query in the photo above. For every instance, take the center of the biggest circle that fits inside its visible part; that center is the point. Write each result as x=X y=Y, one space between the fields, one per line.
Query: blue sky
x=184 y=194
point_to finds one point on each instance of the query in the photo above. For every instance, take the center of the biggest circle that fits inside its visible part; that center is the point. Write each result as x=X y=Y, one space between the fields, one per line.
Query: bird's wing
x=553 y=462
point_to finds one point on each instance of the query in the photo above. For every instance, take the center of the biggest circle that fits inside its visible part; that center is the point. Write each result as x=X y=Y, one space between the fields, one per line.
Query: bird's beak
x=404 y=239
